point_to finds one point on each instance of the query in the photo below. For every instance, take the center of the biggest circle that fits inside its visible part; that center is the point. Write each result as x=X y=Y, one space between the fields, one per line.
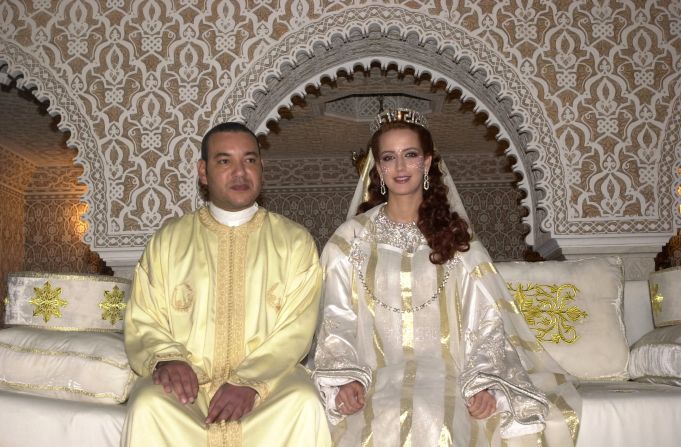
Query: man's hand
x=350 y=398
x=482 y=405
x=230 y=403
x=179 y=377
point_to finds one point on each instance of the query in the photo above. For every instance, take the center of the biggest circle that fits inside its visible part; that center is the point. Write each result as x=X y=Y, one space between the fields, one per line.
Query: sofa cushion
x=638 y=317
x=656 y=357
x=665 y=296
x=66 y=302
x=75 y=366
x=629 y=414
x=37 y=421
x=575 y=311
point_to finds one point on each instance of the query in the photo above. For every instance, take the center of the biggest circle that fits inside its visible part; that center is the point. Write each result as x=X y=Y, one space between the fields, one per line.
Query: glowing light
x=79 y=224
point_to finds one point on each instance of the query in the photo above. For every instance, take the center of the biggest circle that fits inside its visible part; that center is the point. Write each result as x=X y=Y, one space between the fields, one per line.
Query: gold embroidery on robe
x=481 y=270
x=183 y=297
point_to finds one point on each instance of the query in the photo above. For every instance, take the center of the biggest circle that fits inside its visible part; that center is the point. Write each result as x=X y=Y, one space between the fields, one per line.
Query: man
x=223 y=308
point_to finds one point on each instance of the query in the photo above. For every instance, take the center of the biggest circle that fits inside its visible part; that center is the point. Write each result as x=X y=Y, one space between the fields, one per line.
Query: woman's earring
x=382 y=187
x=426 y=181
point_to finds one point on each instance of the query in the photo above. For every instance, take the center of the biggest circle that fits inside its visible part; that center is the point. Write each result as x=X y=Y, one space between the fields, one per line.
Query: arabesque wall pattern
x=316 y=192
x=15 y=173
x=53 y=224
x=585 y=93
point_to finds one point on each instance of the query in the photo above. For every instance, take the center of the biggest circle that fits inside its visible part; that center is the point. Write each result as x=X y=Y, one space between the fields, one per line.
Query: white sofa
x=621 y=414
x=631 y=414
x=63 y=368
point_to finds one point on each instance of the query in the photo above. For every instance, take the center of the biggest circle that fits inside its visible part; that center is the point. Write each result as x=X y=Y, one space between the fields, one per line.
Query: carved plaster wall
x=316 y=192
x=585 y=94
x=53 y=224
x=11 y=240
x=15 y=173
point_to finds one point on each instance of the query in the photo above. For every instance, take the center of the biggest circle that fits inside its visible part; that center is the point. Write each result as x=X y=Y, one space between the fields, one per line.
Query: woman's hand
x=350 y=398
x=482 y=405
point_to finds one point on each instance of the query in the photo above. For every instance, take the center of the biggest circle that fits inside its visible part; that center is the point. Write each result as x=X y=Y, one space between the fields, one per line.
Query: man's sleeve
x=291 y=337
x=148 y=339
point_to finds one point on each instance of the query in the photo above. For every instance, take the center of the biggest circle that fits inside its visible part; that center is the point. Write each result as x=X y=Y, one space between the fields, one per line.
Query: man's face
x=233 y=170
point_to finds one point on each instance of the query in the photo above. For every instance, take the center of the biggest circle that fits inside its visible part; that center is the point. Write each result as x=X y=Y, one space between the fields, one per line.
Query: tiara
x=395 y=115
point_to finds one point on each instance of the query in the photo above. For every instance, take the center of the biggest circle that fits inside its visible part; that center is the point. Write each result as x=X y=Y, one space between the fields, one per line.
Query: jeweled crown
x=395 y=115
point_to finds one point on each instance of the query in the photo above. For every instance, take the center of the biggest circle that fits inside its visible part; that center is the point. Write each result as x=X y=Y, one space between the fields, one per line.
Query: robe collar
x=233 y=218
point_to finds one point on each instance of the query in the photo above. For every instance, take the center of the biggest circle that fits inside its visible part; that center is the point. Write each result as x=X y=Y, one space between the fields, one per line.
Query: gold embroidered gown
x=239 y=304
x=423 y=338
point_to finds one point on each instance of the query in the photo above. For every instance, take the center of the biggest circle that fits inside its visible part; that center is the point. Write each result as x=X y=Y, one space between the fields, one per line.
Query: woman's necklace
x=407 y=237
x=397 y=309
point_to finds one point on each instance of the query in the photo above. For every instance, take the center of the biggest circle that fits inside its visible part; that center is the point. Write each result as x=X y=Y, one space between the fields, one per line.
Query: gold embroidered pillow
x=665 y=296
x=575 y=310
x=65 y=365
x=66 y=302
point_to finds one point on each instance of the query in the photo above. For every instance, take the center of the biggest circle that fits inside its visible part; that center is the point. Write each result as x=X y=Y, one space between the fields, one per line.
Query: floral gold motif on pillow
x=656 y=298
x=549 y=310
x=47 y=302
x=113 y=305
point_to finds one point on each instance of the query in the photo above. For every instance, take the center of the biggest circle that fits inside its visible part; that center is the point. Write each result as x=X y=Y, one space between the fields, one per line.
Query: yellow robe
x=239 y=304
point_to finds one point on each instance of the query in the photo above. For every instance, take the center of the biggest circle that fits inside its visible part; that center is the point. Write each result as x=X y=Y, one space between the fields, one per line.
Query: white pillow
x=575 y=310
x=665 y=296
x=656 y=357
x=81 y=366
x=67 y=302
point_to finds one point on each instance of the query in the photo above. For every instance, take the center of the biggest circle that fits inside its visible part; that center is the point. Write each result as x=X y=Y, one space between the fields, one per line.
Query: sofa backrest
x=638 y=315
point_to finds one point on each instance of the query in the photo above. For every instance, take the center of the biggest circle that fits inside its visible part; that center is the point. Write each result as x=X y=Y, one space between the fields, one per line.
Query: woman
x=415 y=347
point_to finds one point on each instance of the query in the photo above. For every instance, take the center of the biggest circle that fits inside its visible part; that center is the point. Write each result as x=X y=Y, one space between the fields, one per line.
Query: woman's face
x=401 y=162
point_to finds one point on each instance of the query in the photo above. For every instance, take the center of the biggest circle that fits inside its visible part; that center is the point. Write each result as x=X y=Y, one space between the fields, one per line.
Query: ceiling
x=312 y=126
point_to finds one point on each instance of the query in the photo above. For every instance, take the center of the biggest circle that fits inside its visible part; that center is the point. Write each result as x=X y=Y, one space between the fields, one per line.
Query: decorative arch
x=360 y=37
x=47 y=87
x=280 y=66
x=671 y=157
